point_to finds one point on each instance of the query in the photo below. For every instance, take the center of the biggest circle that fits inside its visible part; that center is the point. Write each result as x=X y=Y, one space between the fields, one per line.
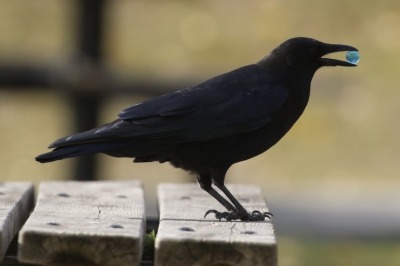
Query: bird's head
x=305 y=55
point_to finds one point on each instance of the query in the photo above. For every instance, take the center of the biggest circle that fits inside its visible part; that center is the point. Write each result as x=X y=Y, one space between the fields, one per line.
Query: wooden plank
x=16 y=202
x=85 y=223
x=186 y=238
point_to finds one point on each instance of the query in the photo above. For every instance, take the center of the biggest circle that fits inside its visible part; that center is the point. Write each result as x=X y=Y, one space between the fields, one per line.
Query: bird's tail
x=64 y=152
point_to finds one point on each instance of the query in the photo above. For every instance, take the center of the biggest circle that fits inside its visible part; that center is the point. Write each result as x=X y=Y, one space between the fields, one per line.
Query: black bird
x=206 y=128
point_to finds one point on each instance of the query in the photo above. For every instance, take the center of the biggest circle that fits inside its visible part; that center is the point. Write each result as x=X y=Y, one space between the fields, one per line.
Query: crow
x=204 y=129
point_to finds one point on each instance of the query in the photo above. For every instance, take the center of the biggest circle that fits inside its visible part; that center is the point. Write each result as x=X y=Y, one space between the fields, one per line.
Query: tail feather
x=60 y=153
x=142 y=151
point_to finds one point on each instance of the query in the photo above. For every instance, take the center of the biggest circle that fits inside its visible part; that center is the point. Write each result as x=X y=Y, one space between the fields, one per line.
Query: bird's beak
x=333 y=48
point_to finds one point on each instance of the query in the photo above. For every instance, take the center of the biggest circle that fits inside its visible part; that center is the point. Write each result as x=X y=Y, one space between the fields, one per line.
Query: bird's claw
x=218 y=215
x=230 y=216
x=259 y=216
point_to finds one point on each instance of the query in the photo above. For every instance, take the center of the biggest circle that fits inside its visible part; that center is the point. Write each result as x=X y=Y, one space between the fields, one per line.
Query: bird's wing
x=239 y=101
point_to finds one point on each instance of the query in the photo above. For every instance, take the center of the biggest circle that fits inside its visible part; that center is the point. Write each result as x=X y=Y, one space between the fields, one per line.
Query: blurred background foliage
x=342 y=154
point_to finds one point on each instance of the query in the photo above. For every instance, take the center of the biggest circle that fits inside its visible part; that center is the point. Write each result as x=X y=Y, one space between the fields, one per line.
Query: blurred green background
x=332 y=182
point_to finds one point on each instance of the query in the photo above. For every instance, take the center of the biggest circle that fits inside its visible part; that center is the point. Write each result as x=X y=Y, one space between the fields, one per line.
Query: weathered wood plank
x=85 y=223
x=186 y=238
x=16 y=202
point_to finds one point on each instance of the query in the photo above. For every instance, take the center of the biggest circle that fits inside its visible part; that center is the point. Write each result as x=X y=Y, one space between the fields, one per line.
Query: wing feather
x=239 y=101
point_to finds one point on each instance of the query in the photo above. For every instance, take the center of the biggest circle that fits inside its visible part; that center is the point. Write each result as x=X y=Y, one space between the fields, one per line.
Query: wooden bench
x=104 y=223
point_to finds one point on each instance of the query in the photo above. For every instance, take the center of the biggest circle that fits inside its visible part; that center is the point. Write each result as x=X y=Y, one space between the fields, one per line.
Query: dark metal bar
x=84 y=80
x=16 y=75
x=90 y=28
x=86 y=105
x=50 y=76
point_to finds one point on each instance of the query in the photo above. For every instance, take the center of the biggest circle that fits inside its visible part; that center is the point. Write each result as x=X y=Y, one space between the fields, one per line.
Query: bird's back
x=230 y=117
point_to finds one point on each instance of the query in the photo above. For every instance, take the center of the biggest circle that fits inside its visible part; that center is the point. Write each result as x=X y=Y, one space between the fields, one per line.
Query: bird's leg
x=241 y=213
x=221 y=199
x=224 y=202
x=205 y=184
x=241 y=210
x=235 y=210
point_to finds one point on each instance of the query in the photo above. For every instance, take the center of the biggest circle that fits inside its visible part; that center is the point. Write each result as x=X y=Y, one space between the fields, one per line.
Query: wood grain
x=16 y=202
x=186 y=238
x=85 y=223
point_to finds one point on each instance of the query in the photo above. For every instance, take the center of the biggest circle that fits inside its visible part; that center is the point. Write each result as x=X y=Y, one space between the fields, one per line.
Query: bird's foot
x=231 y=215
x=219 y=215
x=259 y=216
